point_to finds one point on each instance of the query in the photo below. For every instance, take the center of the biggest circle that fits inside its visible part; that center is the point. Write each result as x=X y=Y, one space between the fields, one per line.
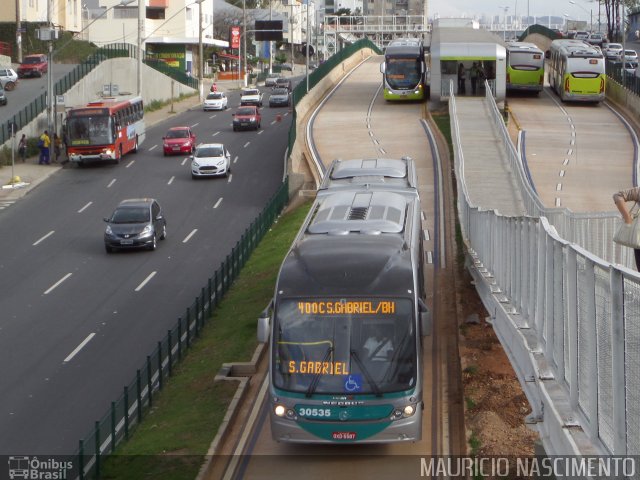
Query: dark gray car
x=135 y=223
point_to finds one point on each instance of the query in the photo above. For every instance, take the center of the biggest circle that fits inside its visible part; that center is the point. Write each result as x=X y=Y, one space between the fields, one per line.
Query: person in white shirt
x=378 y=347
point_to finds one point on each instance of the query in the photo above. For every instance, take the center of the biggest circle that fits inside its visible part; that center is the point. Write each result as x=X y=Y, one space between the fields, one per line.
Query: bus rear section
x=346 y=321
x=584 y=80
x=404 y=70
x=525 y=68
x=104 y=131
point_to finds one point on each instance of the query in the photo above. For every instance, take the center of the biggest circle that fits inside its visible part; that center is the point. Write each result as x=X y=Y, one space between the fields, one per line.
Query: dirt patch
x=495 y=405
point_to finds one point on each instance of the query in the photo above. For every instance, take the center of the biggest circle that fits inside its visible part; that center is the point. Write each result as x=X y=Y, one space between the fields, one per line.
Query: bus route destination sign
x=350 y=307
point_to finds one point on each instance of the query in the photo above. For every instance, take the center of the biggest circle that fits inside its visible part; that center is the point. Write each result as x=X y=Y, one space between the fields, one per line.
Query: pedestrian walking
x=474 y=74
x=44 y=143
x=57 y=146
x=461 y=79
x=620 y=199
x=22 y=148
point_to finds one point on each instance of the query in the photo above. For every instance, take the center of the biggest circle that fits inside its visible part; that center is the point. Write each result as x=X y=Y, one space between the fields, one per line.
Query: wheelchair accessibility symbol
x=353 y=383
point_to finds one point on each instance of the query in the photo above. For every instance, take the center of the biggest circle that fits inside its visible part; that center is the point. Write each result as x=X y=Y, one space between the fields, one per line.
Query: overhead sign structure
x=234 y=37
x=268 y=30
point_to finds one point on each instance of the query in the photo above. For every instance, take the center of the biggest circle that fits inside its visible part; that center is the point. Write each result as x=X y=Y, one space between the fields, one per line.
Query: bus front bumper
x=94 y=157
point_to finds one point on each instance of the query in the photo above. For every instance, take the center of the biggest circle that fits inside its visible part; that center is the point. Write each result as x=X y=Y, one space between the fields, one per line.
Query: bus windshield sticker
x=353 y=383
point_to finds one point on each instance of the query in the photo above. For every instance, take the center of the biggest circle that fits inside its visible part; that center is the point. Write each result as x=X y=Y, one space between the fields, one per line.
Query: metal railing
x=137 y=396
x=568 y=320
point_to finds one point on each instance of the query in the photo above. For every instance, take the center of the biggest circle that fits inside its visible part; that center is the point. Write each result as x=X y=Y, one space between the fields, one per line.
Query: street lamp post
x=504 y=32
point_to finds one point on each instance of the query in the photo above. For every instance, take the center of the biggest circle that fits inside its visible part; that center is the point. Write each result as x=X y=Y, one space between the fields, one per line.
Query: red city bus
x=104 y=130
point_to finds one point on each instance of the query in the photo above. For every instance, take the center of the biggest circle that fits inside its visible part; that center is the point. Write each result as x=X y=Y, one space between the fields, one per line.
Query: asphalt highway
x=77 y=322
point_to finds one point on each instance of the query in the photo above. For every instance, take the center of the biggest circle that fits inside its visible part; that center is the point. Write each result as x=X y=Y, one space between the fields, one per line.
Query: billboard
x=234 y=37
x=268 y=30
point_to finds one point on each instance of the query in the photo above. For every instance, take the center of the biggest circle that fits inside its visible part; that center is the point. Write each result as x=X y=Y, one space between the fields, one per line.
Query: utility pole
x=142 y=7
x=50 y=114
x=270 y=41
x=200 y=50
x=292 y=53
x=18 y=31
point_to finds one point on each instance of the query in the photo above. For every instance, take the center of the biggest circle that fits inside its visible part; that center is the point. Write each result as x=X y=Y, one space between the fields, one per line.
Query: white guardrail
x=565 y=305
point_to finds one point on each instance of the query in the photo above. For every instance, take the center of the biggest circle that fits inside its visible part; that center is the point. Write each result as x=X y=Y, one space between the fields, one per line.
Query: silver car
x=215 y=101
x=8 y=78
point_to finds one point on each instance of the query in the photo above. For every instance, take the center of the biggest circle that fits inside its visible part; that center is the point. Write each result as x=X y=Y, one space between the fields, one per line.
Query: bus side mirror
x=264 y=324
x=425 y=317
x=382 y=67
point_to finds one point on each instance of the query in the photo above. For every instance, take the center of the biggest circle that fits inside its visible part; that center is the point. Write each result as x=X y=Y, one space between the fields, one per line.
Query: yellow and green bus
x=525 y=67
x=576 y=71
x=404 y=70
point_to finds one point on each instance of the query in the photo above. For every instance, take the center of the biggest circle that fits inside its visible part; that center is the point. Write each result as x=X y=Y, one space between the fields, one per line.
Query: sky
x=488 y=8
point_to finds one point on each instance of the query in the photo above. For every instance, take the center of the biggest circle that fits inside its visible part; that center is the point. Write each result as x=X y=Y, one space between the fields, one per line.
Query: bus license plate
x=344 y=435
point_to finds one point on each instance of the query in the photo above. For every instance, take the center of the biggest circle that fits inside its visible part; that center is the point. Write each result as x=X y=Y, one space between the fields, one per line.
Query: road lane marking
x=570 y=151
x=214 y=134
x=566 y=162
x=426 y=235
x=235 y=159
x=145 y=281
x=79 y=347
x=557 y=202
x=559 y=187
x=273 y=122
x=188 y=237
x=184 y=160
x=213 y=116
x=562 y=173
x=171 y=180
x=229 y=179
x=218 y=203
x=85 y=207
x=195 y=125
x=153 y=147
x=246 y=144
x=52 y=287
x=130 y=163
x=111 y=183
x=429 y=258
x=260 y=132
x=42 y=238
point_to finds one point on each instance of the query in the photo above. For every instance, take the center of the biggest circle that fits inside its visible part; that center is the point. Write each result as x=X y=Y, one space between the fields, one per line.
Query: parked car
x=33 y=66
x=280 y=97
x=283 y=83
x=270 y=81
x=178 y=140
x=613 y=51
x=247 y=118
x=8 y=78
x=215 y=101
x=210 y=160
x=3 y=97
x=286 y=66
x=135 y=223
x=251 y=96
x=630 y=56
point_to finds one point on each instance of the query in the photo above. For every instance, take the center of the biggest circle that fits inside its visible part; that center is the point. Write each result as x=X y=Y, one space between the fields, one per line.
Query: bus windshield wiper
x=367 y=375
x=316 y=377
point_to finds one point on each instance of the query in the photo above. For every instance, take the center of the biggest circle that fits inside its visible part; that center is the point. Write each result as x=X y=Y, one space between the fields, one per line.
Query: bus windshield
x=344 y=346
x=90 y=130
x=403 y=73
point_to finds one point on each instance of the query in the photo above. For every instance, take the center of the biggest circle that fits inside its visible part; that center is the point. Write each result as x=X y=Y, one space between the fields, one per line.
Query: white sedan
x=210 y=160
x=215 y=101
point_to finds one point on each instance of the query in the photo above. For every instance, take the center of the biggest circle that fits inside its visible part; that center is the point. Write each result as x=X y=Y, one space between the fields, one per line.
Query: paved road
x=28 y=89
x=60 y=287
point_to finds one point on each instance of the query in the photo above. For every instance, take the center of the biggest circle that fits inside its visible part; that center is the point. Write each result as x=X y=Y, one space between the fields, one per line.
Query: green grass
x=469 y=402
x=154 y=105
x=176 y=433
x=471 y=369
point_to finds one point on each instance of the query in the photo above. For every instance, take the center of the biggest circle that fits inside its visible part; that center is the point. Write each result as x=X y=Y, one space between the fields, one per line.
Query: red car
x=179 y=140
x=247 y=118
x=33 y=66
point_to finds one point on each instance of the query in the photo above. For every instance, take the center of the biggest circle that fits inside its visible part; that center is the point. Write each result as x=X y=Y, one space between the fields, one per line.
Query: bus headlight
x=405 y=412
x=279 y=410
x=409 y=410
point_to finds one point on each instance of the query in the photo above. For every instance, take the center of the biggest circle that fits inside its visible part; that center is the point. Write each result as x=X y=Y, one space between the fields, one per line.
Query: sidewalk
x=31 y=174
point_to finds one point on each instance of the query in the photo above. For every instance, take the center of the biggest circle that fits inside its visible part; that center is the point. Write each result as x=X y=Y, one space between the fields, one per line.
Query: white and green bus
x=525 y=67
x=345 y=324
x=404 y=70
x=576 y=71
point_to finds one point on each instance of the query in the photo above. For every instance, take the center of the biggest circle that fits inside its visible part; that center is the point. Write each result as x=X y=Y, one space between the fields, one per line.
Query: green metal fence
x=138 y=395
x=39 y=104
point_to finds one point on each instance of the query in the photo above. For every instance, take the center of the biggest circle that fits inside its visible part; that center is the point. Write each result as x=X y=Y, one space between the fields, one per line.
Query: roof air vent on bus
x=358 y=213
